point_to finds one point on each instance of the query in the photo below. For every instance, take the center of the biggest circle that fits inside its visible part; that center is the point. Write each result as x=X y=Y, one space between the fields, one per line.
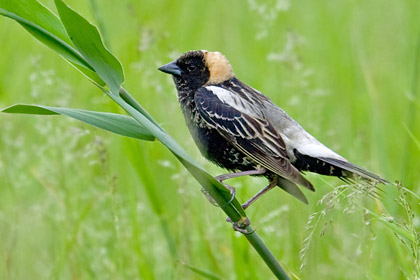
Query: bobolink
x=240 y=129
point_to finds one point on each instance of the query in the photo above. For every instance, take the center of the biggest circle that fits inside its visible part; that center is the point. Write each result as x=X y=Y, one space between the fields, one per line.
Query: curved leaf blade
x=48 y=29
x=33 y=11
x=119 y=124
x=88 y=42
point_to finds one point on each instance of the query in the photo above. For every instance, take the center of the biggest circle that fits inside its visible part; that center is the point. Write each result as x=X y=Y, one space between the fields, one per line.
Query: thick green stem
x=133 y=103
x=265 y=254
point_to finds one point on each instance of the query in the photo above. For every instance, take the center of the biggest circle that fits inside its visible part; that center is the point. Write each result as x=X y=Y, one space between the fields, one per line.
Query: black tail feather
x=334 y=167
x=354 y=169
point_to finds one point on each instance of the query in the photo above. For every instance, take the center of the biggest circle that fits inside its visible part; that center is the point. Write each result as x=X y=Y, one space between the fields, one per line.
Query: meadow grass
x=77 y=202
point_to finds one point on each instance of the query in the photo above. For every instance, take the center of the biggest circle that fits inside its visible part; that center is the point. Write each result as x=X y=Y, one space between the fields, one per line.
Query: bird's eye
x=191 y=68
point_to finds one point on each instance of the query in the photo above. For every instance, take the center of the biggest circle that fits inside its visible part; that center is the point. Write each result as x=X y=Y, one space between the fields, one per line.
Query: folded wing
x=241 y=121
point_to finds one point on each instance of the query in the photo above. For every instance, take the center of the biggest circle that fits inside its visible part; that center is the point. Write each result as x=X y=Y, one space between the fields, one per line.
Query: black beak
x=171 y=68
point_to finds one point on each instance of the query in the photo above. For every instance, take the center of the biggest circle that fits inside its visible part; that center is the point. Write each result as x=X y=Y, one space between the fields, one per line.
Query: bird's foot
x=241 y=225
x=232 y=191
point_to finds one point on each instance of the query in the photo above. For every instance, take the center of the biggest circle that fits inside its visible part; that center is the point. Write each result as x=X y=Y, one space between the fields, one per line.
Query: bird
x=240 y=129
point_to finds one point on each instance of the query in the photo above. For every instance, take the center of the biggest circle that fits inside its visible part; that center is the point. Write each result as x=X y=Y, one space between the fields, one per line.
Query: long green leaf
x=119 y=124
x=88 y=42
x=47 y=28
x=38 y=14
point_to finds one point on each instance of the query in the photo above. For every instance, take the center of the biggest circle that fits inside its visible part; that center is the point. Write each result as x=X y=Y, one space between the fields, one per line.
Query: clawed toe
x=241 y=225
x=232 y=192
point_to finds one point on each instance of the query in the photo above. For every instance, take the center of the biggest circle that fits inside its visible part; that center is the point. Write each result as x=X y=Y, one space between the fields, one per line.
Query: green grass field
x=80 y=203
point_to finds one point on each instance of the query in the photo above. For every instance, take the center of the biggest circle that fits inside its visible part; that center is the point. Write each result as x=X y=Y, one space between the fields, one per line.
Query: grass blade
x=47 y=28
x=88 y=42
x=36 y=13
x=119 y=124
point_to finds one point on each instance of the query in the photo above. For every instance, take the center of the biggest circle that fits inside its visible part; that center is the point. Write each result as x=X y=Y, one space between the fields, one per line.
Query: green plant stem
x=265 y=253
x=133 y=103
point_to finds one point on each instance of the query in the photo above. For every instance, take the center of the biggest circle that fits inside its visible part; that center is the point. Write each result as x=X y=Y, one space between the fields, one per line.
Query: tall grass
x=77 y=202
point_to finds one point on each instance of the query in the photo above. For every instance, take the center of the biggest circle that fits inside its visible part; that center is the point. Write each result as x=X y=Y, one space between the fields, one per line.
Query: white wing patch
x=235 y=101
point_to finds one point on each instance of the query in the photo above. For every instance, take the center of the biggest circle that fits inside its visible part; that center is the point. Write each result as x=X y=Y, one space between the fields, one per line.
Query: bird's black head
x=195 y=69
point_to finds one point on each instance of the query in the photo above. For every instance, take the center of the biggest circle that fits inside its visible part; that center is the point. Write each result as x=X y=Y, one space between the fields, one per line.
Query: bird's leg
x=232 y=190
x=223 y=177
x=271 y=185
x=241 y=227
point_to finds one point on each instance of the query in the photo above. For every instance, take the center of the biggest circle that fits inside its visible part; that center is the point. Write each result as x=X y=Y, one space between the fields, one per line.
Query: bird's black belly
x=217 y=149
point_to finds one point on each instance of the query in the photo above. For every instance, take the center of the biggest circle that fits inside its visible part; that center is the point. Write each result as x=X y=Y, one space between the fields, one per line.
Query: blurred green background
x=80 y=203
